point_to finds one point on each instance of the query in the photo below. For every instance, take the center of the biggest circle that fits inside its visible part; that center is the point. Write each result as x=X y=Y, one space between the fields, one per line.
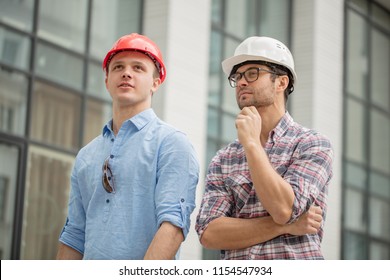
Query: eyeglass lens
x=250 y=75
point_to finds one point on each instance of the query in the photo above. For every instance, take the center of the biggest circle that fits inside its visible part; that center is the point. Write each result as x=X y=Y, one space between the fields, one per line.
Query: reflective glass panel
x=379 y=218
x=379 y=251
x=18 y=14
x=13 y=102
x=55 y=116
x=237 y=15
x=96 y=85
x=380 y=142
x=14 y=49
x=357 y=60
x=274 y=17
x=229 y=132
x=354 y=246
x=216 y=11
x=63 y=23
x=111 y=20
x=380 y=184
x=354 y=210
x=59 y=66
x=361 y=5
x=215 y=68
x=229 y=94
x=381 y=17
x=9 y=156
x=212 y=122
x=355 y=175
x=45 y=202
x=380 y=67
x=98 y=113
x=356 y=131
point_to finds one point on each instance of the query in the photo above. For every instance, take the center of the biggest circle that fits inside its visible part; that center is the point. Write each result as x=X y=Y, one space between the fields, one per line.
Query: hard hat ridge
x=138 y=43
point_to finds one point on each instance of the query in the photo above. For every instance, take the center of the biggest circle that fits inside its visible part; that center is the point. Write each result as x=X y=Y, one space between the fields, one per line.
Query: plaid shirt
x=302 y=157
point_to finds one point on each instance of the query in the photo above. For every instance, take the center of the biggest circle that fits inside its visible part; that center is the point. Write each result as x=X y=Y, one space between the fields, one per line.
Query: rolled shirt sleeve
x=177 y=178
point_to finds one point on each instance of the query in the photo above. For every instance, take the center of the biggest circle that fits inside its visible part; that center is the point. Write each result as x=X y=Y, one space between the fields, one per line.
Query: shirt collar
x=139 y=121
x=285 y=122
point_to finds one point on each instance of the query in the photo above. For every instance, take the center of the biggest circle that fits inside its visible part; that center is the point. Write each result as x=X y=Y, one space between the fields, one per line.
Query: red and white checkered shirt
x=302 y=157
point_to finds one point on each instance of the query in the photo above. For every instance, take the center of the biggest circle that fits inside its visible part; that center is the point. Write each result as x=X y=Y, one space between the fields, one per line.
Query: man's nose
x=127 y=72
x=241 y=81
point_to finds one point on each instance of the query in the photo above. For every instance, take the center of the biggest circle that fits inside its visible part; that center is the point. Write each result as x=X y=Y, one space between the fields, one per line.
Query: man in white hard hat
x=265 y=194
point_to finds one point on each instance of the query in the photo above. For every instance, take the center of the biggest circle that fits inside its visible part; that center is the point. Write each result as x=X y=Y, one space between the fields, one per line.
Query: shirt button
x=112 y=139
x=111 y=156
x=107 y=201
x=182 y=200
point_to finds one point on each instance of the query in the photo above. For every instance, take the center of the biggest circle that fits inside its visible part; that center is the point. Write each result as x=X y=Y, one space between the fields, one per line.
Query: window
x=14 y=49
x=366 y=151
x=53 y=101
x=9 y=156
x=63 y=23
x=59 y=66
x=55 y=116
x=13 y=99
x=46 y=199
x=18 y=14
x=97 y=115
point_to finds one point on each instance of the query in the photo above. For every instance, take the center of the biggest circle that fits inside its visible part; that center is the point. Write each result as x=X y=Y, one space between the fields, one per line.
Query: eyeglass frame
x=233 y=83
x=107 y=181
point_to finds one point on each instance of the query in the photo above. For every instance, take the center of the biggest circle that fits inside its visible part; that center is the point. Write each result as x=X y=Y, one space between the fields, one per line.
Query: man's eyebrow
x=134 y=62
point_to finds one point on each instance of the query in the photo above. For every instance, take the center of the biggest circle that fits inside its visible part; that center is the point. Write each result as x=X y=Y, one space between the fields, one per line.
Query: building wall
x=317 y=45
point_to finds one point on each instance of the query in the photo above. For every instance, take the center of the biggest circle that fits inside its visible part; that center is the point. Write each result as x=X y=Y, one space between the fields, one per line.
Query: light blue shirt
x=155 y=172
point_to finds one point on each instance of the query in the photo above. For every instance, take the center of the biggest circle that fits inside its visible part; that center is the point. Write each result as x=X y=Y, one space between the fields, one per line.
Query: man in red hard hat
x=133 y=186
x=266 y=192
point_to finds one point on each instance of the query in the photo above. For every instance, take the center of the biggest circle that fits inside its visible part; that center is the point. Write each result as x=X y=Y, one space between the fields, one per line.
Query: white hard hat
x=261 y=49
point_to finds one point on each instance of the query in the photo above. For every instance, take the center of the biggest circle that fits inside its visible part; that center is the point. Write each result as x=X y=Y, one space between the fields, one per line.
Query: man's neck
x=120 y=115
x=270 y=117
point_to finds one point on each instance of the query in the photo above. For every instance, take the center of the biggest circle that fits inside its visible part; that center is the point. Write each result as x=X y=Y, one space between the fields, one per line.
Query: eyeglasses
x=250 y=75
x=108 y=178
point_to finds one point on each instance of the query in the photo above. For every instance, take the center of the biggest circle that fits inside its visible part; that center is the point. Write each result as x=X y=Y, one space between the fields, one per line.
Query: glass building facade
x=53 y=101
x=366 y=148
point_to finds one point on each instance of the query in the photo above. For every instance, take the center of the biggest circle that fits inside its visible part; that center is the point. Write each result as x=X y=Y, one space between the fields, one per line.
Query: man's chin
x=242 y=105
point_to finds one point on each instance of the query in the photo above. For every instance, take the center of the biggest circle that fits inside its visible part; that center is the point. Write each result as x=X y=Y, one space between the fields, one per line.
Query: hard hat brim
x=229 y=63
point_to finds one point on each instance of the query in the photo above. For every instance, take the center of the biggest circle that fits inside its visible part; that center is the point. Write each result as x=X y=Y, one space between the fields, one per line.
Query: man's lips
x=125 y=85
x=242 y=93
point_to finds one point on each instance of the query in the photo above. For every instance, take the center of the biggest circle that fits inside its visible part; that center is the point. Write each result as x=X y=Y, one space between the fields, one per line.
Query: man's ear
x=156 y=84
x=283 y=82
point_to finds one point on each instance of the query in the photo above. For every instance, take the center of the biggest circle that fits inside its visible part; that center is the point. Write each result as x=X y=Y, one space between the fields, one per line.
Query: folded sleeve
x=177 y=178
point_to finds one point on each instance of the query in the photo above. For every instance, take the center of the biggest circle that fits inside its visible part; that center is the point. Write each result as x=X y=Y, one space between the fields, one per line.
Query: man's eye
x=251 y=73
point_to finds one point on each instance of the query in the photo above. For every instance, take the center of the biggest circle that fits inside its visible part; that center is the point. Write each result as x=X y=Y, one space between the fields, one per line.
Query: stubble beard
x=253 y=101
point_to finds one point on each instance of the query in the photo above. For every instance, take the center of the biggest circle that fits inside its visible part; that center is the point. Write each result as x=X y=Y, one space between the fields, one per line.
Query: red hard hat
x=140 y=43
